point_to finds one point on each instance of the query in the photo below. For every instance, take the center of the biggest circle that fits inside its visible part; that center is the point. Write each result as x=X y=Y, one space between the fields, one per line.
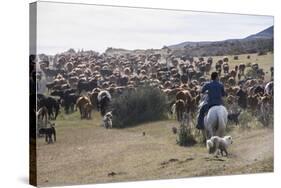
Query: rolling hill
x=259 y=42
x=265 y=34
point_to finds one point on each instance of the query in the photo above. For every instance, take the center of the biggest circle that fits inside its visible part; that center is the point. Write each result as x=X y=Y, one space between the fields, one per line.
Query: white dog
x=107 y=120
x=217 y=144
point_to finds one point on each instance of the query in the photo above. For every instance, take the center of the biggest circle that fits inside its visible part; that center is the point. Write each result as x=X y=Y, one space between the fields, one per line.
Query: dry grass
x=264 y=61
x=85 y=153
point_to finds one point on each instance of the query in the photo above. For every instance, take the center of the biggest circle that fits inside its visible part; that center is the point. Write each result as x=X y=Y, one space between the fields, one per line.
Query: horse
x=215 y=121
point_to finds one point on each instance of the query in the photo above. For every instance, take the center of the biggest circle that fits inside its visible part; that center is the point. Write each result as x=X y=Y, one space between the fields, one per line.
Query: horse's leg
x=221 y=152
x=56 y=113
x=204 y=133
x=221 y=126
x=81 y=113
x=49 y=114
x=210 y=133
x=72 y=107
x=90 y=114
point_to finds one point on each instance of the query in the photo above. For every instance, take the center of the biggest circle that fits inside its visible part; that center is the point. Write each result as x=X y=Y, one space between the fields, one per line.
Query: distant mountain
x=262 y=41
x=265 y=34
x=259 y=42
x=190 y=44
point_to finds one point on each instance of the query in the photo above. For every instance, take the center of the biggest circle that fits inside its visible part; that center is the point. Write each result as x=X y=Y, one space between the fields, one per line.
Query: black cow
x=259 y=90
x=50 y=72
x=50 y=103
x=86 y=85
x=242 y=98
x=69 y=100
x=104 y=99
x=58 y=93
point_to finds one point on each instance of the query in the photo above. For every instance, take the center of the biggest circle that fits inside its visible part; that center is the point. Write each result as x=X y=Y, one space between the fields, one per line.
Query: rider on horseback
x=215 y=93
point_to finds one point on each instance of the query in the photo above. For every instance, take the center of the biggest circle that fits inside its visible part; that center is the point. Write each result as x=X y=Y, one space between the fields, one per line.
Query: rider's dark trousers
x=203 y=110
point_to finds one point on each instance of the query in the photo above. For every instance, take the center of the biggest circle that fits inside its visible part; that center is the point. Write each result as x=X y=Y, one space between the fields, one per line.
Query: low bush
x=185 y=137
x=138 y=106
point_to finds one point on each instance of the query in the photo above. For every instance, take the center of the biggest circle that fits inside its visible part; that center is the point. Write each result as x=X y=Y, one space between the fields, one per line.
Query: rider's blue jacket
x=215 y=92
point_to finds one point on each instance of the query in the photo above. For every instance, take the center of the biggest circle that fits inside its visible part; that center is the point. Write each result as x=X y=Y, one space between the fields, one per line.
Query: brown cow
x=94 y=98
x=242 y=98
x=69 y=66
x=233 y=73
x=232 y=90
x=186 y=97
x=225 y=67
x=231 y=100
x=81 y=104
x=88 y=107
x=180 y=109
x=266 y=108
x=225 y=59
x=253 y=102
x=231 y=81
x=241 y=68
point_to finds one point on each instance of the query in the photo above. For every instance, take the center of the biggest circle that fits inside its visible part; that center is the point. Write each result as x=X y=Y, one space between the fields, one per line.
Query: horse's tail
x=222 y=121
x=218 y=122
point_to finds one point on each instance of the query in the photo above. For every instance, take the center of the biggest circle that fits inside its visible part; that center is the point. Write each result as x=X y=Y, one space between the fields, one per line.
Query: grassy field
x=264 y=61
x=85 y=152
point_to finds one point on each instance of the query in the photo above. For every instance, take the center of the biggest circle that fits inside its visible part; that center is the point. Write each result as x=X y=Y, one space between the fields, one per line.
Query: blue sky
x=63 y=26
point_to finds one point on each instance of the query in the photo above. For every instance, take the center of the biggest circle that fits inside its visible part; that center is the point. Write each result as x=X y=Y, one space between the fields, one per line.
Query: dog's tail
x=209 y=145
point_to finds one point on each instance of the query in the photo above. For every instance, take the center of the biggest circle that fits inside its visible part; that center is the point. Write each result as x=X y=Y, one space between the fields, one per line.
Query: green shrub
x=251 y=73
x=249 y=120
x=185 y=137
x=266 y=118
x=246 y=119
x=138 y=106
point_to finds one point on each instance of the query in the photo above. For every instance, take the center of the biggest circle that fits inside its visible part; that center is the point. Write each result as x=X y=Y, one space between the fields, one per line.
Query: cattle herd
x=87 y=81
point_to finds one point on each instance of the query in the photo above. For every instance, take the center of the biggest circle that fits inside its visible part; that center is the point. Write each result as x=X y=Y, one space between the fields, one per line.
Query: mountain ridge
x=255 y=43
x=264 y=34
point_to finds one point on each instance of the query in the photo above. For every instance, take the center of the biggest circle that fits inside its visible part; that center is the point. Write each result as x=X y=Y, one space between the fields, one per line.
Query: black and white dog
x=234 y=117
x=48 y=132
x=107 y=120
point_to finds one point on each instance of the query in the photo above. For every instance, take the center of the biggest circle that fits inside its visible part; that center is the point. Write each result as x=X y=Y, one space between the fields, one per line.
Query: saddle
x=213 y=106
x=210 y=108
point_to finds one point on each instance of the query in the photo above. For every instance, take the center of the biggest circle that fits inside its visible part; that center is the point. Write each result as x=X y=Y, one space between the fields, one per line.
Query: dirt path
x=88 y=153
